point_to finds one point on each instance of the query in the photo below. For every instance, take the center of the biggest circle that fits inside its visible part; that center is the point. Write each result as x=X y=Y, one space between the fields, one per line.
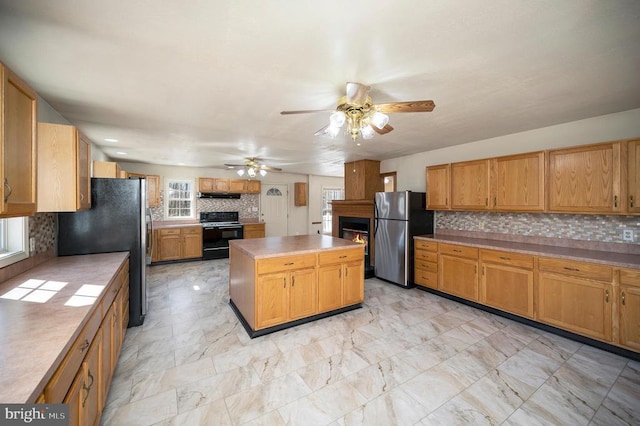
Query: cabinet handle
x=495 y=201
x=446 y=201
x=84 y=346
x=339 y=273
x=475 y=269
x=81 y=196
x=288 y=264
x=284 y=282
x=505 y=258
x=88 y=389
x=484 y=268
x=631 y=201
x=457 y=251
x=346 y=272
x=343 y=256
x=606 y=296
x=293 y=281
x=571 y=269
x=615 y=201
x=623 y=299
x=6 y=183
x=486 y=201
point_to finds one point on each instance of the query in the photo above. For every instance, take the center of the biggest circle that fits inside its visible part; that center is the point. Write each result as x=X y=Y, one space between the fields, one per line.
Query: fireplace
x=356 y=229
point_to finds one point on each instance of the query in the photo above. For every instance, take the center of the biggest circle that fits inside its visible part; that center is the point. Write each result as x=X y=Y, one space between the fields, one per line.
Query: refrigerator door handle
x=375 y=218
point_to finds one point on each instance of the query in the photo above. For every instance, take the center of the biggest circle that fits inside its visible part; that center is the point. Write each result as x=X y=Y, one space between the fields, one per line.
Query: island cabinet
x=426 y=263
x=340 y=279
x=458 y=270
x=576 y=296
x=18 y=140
x=587 y=179
x=179 y=243
x=629 y=307
x=438 y=187
x=64 y=160
x=507 y=281
x=470 y=185
x=518 y=182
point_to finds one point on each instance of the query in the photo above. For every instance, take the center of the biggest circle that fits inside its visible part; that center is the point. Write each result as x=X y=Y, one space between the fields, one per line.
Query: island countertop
x=42 y=311
x=261 y=248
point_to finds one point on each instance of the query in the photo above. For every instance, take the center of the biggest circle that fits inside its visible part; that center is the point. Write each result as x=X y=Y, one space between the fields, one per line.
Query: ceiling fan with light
x=252 y=168
x=361 y=115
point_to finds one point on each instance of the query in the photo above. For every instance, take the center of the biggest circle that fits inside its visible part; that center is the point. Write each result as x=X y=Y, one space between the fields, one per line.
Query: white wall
x=411 y=168
x=300 y=218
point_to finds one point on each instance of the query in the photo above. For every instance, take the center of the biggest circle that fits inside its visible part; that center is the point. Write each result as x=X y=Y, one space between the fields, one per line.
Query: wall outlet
x=627 y=235
x=32 y=244
x=481 y=225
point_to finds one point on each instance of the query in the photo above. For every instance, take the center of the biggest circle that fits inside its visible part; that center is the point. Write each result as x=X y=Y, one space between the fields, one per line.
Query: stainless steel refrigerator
x=398 y=217
x=119 y=220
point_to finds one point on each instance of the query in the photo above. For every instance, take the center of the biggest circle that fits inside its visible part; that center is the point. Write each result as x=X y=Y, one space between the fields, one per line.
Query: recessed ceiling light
x=121 y=153
x=180 y=164
x=110 y=140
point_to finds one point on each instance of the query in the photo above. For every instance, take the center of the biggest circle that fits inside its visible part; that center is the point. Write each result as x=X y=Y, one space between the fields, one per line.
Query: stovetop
x=221 y=223
x=219 y=218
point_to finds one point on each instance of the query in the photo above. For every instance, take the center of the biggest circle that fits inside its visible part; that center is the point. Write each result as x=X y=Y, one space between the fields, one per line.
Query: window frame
x=327 y=224
x=14 y=240
x=168 y=199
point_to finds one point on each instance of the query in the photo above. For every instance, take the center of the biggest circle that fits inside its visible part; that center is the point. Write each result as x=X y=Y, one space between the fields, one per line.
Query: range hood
x=225 y=195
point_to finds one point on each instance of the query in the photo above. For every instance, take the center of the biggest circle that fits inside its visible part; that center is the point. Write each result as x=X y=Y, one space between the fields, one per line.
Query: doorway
x=388 y=181
x=274 y=200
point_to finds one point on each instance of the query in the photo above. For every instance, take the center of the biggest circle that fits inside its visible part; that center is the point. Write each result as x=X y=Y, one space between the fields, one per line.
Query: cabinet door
x=18 y=140
x=507 y=288
x=169 y=245
x=458 y=276
x=253 y=187
x=329 y=287
x=74 y=399
x=630 y=316
x=585 y=179
x=92 y=400
x=220 y=185
x=205 y=184
x=303 y=294
x=191 y=243
x=237 y=185
x=633 y=205
x=470 y=185
x=300 y=194
x=107 y=330
x=272 y=300
x=83 y=174
x=153 y=190
x=353 y=283
x=438 y=187
x=517 y=182
x=575 y=304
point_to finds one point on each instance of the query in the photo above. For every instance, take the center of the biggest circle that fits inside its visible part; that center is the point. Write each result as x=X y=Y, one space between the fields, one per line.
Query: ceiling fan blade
x=357 y=93
x=386 y=129
x=321 y=131
x=231 y=166
x=411 y=106
x=271 y=169
x=305 y=111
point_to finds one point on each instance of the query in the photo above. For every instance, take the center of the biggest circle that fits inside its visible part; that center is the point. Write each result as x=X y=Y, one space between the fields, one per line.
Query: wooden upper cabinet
x=362 y=180
x=153 y=190
x=633 y=177
x=253 y=187
x=470 y=185
x=106 y=169
x=237 y=185
x=438 y=188
x=300 y=194
x=518 y=182
x=224 y=185
x=586 y=179
x=64 y=156
x=18 y=130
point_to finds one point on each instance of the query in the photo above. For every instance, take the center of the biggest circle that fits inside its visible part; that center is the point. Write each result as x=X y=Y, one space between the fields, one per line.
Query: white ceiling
x=202 y=82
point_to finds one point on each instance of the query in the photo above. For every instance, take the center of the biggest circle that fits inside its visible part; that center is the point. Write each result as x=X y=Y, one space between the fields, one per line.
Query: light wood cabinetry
x=340 y=279
x=633 y=176
x=426 y=263
x=153 y=188
x=629 y=307
x=518 y=182
x=470 y=185
x=438 y=187
x=179 y=243
x=507 y=281
x=224 y=185
x=576 y=296
x=64 y=159
x=252 y=187
x=362 y=180
x=18 y=140
x=254 y=230
x=300 y=194
x=586 y=179
x=106 y=169
x=458 y=270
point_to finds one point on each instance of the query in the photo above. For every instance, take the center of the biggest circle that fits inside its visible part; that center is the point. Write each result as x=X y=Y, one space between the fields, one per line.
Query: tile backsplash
x=601 y=228
x=43 y=227
x=247 y=206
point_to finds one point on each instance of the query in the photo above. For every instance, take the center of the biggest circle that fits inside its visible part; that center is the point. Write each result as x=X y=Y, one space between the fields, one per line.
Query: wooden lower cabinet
x=254 y=230
x=303 y=294
x=425 y=263
x=458 y=271
x=629 y=306
x=179 y=243
x=329 y=287
x=74 y=400
x=93 y=399
x=340 y=279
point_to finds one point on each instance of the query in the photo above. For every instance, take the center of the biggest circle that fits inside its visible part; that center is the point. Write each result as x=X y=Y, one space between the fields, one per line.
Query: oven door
x=215 y=240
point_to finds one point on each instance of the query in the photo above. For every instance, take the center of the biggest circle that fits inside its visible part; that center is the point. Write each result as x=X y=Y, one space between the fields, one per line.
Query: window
x=328 y=195
x=180 y=199
x=14 y=240
x=389 y=181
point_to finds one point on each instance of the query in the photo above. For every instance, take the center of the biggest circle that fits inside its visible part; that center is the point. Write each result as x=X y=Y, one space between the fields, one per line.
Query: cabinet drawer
x=460 y=251
x=286 y=263
x=576 y=269
x=61 y=381
x=340 y=256
x=426 y=266
x=427 y=256
x=630 y=277
x=507 y=258
x=191 y=230
x=428 y=279
x=254 y=227
x=425 y=245
x=169 y=231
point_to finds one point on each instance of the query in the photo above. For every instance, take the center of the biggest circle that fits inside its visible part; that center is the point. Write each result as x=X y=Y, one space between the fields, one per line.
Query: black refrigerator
x=119 y=220
x=399 y=216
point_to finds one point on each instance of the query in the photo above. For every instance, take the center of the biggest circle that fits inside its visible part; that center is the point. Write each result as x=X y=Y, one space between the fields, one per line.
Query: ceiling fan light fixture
x=240 y=172
x=263 y=172
x=379 y=119
x=337 y=119
x=367 y=132
x=333 y=131
x=251 y=172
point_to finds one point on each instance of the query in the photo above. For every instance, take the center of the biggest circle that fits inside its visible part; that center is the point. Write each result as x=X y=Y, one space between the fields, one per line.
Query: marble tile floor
x=406 y=358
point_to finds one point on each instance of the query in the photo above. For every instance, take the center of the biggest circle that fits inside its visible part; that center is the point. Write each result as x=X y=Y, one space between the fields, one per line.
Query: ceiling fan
x=252 y=167
x=362 y=116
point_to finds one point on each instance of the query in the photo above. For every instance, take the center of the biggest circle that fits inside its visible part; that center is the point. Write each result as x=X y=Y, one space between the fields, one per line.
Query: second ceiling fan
x=361 y=115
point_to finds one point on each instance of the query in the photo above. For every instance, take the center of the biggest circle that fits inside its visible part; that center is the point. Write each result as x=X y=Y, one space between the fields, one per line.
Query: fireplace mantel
x=354 y=208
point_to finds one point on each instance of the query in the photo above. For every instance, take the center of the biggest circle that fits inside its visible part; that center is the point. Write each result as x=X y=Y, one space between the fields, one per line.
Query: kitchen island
x=280 y=282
